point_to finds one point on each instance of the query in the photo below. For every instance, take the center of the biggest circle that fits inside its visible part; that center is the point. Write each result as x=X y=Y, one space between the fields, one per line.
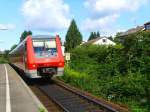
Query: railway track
x=68 y=101
x=72 y=100
x=46 y=101
x=56 y=96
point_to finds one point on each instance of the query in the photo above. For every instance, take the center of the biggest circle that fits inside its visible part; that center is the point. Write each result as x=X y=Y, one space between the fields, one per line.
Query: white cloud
x=100 y=23
x=7 y=26
x=107 y=7
x=104 y=13
x=50 y=15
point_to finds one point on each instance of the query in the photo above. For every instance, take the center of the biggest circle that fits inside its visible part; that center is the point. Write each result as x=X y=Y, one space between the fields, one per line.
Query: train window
x=45 y=48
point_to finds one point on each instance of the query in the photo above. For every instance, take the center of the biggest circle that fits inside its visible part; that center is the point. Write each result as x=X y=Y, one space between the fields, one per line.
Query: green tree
x=94 y=35
x=6 y=52
x=73 y=36
x=91 y=36
x=24 y=35
x=98 y=34
x=110 y=38
x=13 y=47
x=118 y=37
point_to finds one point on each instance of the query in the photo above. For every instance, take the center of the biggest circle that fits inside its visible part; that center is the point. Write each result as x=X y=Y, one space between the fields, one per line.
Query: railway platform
x=15 y=95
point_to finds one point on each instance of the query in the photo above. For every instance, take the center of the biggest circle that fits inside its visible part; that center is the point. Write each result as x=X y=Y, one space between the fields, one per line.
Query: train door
x=25 y=56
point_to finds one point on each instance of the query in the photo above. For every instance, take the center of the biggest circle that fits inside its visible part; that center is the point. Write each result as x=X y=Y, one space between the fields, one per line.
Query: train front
x=48 y=58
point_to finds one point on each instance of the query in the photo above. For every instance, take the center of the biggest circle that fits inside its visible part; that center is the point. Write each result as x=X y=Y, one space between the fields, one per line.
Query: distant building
x=147 y=26
x=83 y=42
x=101 y=41
x=144 y=27
x=132 y=30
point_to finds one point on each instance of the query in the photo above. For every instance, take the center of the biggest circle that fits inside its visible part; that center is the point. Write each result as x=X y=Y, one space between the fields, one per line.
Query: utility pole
x=3 y=28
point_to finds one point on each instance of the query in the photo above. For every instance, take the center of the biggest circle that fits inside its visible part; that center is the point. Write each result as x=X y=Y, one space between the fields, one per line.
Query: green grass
x=3 y=60
x=42 y=109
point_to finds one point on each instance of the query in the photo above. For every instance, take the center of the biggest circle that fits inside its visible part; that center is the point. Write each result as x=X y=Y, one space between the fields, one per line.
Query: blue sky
x=53 y=17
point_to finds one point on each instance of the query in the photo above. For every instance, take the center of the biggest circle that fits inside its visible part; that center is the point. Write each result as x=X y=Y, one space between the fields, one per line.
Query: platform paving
x=2 y=89
x=20 y=98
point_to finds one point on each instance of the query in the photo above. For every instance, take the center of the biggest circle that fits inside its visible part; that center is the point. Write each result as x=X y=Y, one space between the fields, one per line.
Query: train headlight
x=60 y=64
x=33 y=65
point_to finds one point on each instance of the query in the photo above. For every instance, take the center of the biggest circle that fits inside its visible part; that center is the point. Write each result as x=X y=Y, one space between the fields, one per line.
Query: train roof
x=40 y=37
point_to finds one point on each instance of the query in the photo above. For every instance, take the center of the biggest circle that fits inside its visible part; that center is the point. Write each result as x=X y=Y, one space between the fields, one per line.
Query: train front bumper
x=36 y=74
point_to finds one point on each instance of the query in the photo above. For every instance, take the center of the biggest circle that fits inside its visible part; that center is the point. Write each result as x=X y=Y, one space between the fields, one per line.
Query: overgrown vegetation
x=118 y=73
x=42 y=109
x=4 y=57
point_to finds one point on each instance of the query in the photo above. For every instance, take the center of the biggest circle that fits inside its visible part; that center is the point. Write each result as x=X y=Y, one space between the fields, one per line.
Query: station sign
x=67 y=56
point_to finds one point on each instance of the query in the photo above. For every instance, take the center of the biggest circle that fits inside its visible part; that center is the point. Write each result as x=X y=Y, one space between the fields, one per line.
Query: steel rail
x=70 y=99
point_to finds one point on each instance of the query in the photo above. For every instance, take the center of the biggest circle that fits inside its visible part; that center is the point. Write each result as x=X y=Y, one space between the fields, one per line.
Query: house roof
x=94 y=40
x=132 y=30
x=147 y=23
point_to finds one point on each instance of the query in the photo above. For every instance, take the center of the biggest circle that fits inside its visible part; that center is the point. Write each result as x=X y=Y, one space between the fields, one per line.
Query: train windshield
x=45 y=48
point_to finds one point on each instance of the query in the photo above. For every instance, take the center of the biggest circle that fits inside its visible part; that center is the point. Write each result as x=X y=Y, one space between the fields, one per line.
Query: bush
x=131 y=85
x=81 y=80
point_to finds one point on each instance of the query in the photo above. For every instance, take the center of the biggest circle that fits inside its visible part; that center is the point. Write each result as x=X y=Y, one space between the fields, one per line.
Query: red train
x=39 y=56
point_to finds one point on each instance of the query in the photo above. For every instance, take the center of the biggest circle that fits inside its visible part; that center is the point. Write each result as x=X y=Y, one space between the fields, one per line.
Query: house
x=122 y=35
x=101 y=41
x=83 y=42
x=147 y=26
x=132 y=30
